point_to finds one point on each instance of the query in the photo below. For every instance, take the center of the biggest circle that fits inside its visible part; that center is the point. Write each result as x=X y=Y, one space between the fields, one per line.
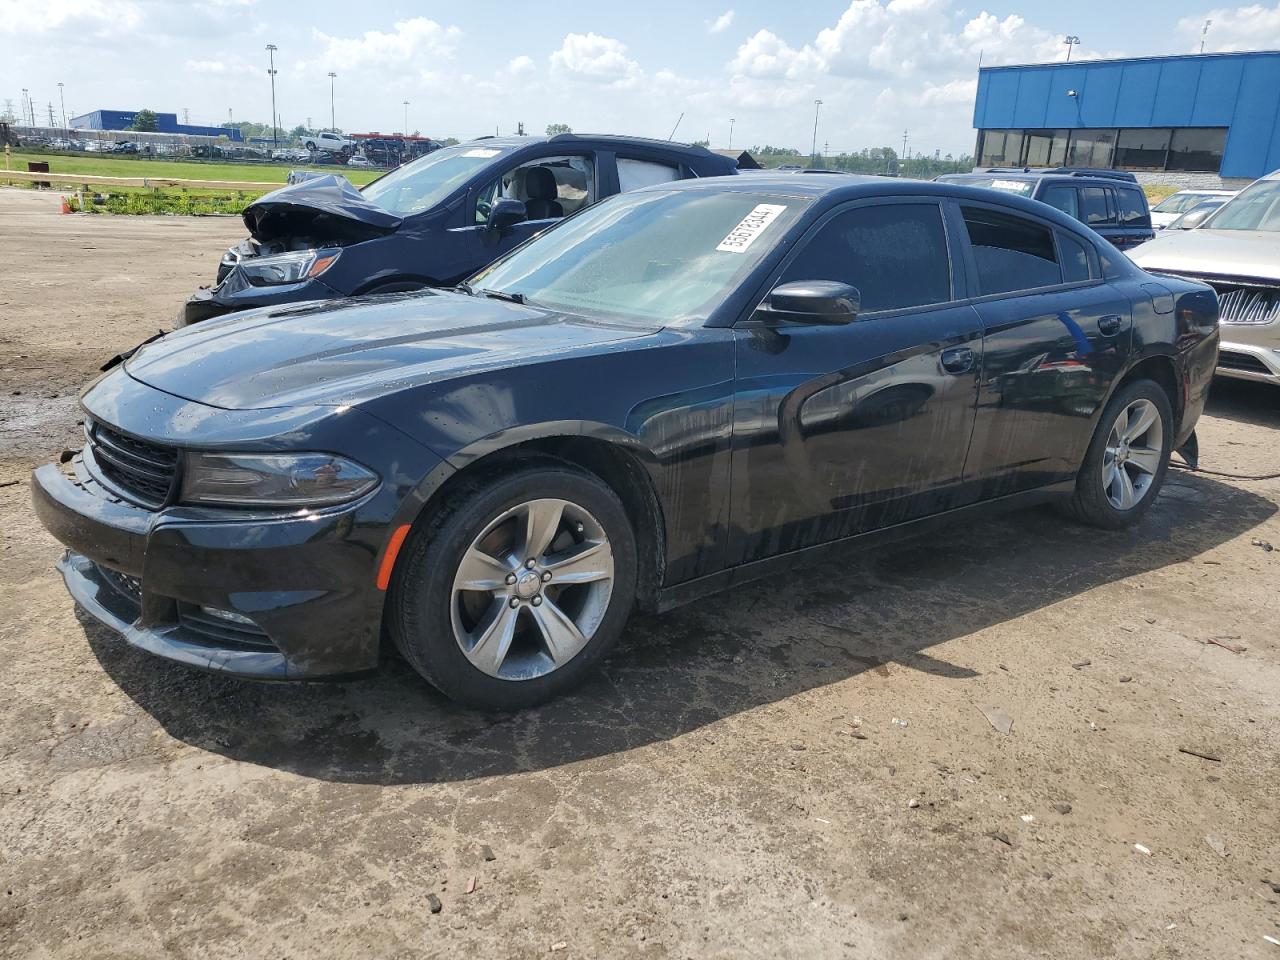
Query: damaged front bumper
x=233 y=294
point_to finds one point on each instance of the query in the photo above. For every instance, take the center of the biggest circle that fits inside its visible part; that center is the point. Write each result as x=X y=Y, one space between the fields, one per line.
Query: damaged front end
x=295 y=235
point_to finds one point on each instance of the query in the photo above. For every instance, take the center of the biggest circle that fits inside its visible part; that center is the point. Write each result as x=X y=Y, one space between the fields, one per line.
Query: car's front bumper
x=233 y=295
x=300 y=589
x=1250 y=352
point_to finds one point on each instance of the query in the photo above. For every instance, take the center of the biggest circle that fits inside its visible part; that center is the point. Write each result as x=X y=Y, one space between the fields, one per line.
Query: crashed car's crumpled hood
x=1213 y=253
x=329 y=207
x=349 y=350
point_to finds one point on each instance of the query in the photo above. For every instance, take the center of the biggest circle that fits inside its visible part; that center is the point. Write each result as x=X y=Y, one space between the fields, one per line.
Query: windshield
x=667 y=255
x=1022 y=188
x=1256 y=207
x=1178 y=203
x=420 y=185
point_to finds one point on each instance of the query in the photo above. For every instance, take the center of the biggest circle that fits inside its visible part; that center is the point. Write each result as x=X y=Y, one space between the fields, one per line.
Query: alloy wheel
x=1131 y=459
x=532 y=589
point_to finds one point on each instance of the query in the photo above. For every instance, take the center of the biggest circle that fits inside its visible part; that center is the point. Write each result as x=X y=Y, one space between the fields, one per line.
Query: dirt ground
x=798 y=769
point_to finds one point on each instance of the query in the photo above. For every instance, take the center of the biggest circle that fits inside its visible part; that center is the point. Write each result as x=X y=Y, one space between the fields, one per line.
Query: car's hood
x=348 y=350
x=1205 y=252
x=324 y=209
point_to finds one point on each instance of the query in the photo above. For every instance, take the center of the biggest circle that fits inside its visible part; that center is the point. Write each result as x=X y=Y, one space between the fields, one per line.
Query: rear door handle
x=1109 y=326
x=957 y=360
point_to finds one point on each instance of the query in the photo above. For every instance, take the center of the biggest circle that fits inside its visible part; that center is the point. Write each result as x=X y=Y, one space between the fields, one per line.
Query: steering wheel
x=483 y=209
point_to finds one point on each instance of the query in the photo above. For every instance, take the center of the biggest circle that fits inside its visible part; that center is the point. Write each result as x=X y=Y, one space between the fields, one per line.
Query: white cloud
x=721 y=23
x=1255 y=27
x=521 y=66
x=765 y=54
x=407 y=41
x=595 y=58
x=96 y=16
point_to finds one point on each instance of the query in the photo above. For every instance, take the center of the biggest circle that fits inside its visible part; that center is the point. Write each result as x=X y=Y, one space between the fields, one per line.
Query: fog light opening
x=229 y=615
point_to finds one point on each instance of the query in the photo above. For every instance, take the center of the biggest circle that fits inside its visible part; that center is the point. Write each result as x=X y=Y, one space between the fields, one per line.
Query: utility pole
x=186 y=116
x=1071 y=41
x=904 y=147
x=817 y=105
x=406 y=118
x=52 y=121
x=333 y=124
x=1204 y=32
x=62 y=100
x=275 y=129
x=26 y=96
x=731 y=122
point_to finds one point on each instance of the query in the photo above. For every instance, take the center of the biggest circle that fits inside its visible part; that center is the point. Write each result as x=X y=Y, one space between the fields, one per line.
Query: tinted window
x=1133 y=208
x=1001 y=148
x=1011 y=253
x=1194 y=148
x=1046 y=148
x=1075 y=259
x=1091 y=148
x=895 y=254
x=1142 y=149
x=1062 y=196
x=1093 y=206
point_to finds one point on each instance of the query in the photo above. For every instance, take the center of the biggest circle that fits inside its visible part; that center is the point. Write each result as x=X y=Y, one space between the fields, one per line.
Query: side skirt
x=681 y=593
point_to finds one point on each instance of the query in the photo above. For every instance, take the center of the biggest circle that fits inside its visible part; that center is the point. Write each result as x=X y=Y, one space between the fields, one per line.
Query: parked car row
x=699 y=379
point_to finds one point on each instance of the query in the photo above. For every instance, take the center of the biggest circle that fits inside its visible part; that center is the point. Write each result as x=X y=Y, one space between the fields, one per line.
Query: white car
x=1176 y=204
x=329 y=142
x=358 y=161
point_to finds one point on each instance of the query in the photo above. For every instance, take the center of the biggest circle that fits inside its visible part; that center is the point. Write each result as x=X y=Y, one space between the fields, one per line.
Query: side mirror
x=506 y=213
x=814 y=302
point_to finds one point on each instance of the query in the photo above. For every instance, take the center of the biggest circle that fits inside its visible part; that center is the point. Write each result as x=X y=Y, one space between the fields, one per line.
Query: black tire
x=419 y=607
x=310 y=146
x=1090 y=503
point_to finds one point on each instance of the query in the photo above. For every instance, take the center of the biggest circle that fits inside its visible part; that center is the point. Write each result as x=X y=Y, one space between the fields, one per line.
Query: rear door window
x=634 y=174
x=1132 y=208
x=1075 y=259
x=1093 y=207
x=1010 y=252
x=1063 y=196
x=894 y=253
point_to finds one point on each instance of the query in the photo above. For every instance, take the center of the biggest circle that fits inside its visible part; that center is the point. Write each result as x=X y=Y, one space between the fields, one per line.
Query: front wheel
x=1127 y=459
x=517 y=588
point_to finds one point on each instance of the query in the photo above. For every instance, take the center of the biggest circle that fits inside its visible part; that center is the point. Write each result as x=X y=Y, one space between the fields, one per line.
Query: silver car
x=1237 y=252
x=1176 y=204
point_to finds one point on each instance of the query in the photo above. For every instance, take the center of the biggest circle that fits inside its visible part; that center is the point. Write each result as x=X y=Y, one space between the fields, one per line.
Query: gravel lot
x=733 y=783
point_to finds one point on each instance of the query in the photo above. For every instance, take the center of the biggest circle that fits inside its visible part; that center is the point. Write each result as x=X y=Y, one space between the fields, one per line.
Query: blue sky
x=470 y=68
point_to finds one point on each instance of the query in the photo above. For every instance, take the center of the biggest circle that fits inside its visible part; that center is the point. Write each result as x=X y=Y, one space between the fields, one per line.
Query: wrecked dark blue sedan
x=682 y=389
x=431 y=222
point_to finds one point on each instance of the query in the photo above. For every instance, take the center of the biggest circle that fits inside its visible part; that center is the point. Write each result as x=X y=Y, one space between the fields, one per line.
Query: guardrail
x=87 y=180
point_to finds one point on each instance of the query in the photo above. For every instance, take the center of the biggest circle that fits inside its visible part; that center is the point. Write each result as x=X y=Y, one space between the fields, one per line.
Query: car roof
x=608 y=139
x=1073 y=174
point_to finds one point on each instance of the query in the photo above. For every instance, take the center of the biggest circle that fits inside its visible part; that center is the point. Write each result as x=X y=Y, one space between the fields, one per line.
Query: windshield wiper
x=504 y=295
x=466 y=288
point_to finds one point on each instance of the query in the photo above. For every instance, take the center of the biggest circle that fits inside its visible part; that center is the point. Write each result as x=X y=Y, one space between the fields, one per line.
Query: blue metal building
x=165 y=123
x=1213 y=113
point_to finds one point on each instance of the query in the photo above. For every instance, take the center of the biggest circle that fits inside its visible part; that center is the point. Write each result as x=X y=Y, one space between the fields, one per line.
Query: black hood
x=327 y=209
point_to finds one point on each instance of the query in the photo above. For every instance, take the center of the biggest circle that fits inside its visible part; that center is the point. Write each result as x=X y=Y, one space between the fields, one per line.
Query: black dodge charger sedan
x=676 y=391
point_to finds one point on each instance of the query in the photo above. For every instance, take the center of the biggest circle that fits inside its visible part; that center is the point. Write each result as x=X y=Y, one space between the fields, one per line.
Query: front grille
x=219 y=632
x=140 y=471
x=1231 y=360
x=1248 y=305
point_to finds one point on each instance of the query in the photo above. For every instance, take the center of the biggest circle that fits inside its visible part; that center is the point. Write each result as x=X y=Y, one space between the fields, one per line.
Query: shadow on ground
x=672 y=674
x=1245 y=402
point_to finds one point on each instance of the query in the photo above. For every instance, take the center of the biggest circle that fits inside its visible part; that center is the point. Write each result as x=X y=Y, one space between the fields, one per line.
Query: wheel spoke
x=479 y=571
x=1119 y=427
x=494 y=640
x=562 y=637
x=542 y=522
x=1140 y=423
x=1127 y=494
x=1145 y=459
x=1111 y=479
x=584 y=563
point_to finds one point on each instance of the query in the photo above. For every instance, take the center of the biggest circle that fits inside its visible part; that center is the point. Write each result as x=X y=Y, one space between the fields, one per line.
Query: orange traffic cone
x=66 y=207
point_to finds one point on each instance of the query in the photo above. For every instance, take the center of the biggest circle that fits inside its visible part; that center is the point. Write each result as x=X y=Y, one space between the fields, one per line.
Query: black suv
x=432 y=222
x=1109 y=201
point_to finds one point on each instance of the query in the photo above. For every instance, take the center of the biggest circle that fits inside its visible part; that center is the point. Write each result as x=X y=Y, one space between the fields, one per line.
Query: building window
x=1142 y=149
x=1156 y=148
x=1091 y=148
x=1197 y=148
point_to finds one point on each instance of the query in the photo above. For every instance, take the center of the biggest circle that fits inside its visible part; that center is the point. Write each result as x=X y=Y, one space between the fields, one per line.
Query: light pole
x=406 y=118
x=817 y=105
x=1071 y=41
x=62 y=100
x=1204 y=32
x=26 y=97
x=271 y=71
x=333 y=124
x=731 y=123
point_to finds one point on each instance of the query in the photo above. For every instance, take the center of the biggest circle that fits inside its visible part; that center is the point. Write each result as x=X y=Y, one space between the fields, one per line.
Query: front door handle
x=957 y=360
x=1109 y=326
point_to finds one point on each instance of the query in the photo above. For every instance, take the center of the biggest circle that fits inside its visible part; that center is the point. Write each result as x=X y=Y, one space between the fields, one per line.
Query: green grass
x=97 y=165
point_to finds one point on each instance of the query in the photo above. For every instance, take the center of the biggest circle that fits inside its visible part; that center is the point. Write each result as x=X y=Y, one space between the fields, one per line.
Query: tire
x=1138 y=466
x=454 y=636
x=310 y=146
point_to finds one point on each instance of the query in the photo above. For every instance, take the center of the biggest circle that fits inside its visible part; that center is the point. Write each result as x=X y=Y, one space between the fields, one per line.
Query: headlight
x=288 y=267
x=273 y=479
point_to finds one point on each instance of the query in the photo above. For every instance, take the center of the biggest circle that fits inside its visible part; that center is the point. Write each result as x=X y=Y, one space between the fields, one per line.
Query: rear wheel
x=517 y=588
x=1127 y=459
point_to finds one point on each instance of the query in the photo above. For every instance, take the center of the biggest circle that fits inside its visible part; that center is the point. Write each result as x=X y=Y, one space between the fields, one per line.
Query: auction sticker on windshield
x=482 y=152
x=750 y=227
